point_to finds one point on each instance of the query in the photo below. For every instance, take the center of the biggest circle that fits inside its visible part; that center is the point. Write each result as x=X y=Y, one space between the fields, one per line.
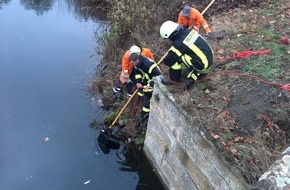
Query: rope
x=243 y=54
x=282 y=86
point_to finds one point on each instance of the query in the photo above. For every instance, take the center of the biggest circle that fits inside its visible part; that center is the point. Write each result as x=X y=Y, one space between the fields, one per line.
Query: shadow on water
x=132 y=161
x=137 y=161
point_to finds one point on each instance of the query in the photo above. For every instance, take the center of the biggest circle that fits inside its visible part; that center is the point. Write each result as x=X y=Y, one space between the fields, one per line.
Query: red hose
x=282 y=86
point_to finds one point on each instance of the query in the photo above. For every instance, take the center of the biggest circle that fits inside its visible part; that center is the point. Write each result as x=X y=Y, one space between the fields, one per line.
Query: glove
x=207 y=30
x=139 y=85
x=128 y=80
x=150 y=84
x=123 y=78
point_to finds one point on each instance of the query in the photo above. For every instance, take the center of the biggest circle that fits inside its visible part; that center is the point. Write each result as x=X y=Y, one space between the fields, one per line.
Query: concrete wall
x=182 y=155
x=278 y=175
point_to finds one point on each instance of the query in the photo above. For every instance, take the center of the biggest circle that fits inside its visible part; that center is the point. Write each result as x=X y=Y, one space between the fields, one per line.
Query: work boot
x=128 y=96
x=165 y=81
x=117 y=90
x=143 y=117
x=189 y=84
x=201 y=76
x=118 y=87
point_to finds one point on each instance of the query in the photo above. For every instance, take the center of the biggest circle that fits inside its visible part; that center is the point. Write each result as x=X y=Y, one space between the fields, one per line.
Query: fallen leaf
x=220 y=51
x=224 y=143
x=207 y=91
x=234 y=151
x=238 y=139
x=199 y=105
x=216 y=136
x=248 y=140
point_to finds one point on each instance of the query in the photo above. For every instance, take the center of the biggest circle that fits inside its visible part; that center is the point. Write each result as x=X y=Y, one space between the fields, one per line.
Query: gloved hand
x=128 y=80
x=139 y=85
x=150 y=84
x=207 y=30
x=124 y=78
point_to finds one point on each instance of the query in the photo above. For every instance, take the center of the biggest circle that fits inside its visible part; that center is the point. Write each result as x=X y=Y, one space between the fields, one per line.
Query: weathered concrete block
x=182 y=155
x=278 y=176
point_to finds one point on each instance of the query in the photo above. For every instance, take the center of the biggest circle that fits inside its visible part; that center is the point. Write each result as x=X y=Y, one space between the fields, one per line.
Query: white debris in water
x=46 y=139
x=87 y=182
x=101 y=104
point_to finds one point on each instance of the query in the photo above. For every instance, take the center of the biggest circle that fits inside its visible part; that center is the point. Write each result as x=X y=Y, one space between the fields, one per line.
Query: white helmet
x=168 y=27
x=135 y=49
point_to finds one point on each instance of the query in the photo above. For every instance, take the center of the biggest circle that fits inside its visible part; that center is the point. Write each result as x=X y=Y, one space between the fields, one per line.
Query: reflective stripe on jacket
x=191 y=49
x=146 y=71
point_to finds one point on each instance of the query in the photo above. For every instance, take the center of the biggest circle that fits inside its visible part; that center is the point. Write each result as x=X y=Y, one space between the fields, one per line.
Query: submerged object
x=106 y=141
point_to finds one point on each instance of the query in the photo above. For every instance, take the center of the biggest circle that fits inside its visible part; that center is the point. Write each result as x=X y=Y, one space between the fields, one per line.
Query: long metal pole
x=207 y=7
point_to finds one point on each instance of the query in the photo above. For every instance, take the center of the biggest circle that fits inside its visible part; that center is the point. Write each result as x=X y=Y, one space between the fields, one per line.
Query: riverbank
x=241 y=104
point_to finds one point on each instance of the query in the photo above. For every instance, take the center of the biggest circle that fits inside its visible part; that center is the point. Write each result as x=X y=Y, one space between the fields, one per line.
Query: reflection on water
x=40 y=7
x=45 y=67
x=3 y=3
x=129 y=162
x=79 y=8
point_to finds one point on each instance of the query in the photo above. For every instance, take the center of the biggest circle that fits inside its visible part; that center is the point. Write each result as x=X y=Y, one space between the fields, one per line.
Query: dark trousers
x=174 y=75
x=146 y=103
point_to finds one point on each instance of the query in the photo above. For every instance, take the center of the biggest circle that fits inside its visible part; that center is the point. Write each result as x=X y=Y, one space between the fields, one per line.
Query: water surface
x=47 y=59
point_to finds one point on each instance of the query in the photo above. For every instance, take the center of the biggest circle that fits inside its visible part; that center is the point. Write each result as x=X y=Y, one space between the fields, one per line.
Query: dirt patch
x=249 y=99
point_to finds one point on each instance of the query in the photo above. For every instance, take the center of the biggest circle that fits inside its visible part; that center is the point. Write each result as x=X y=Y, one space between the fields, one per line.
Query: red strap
x=286 y=87
x=245 y=54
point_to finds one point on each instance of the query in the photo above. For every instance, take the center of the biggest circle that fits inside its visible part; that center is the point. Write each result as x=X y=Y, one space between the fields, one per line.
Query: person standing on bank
x=191 y=18
x=145 y=70
x=187 y=48
x=127 y=76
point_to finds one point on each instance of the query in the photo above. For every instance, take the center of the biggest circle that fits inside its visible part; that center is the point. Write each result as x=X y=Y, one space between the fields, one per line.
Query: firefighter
x=188 y=48
x=145 y=70
x=127 y=76
x=191 y=18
